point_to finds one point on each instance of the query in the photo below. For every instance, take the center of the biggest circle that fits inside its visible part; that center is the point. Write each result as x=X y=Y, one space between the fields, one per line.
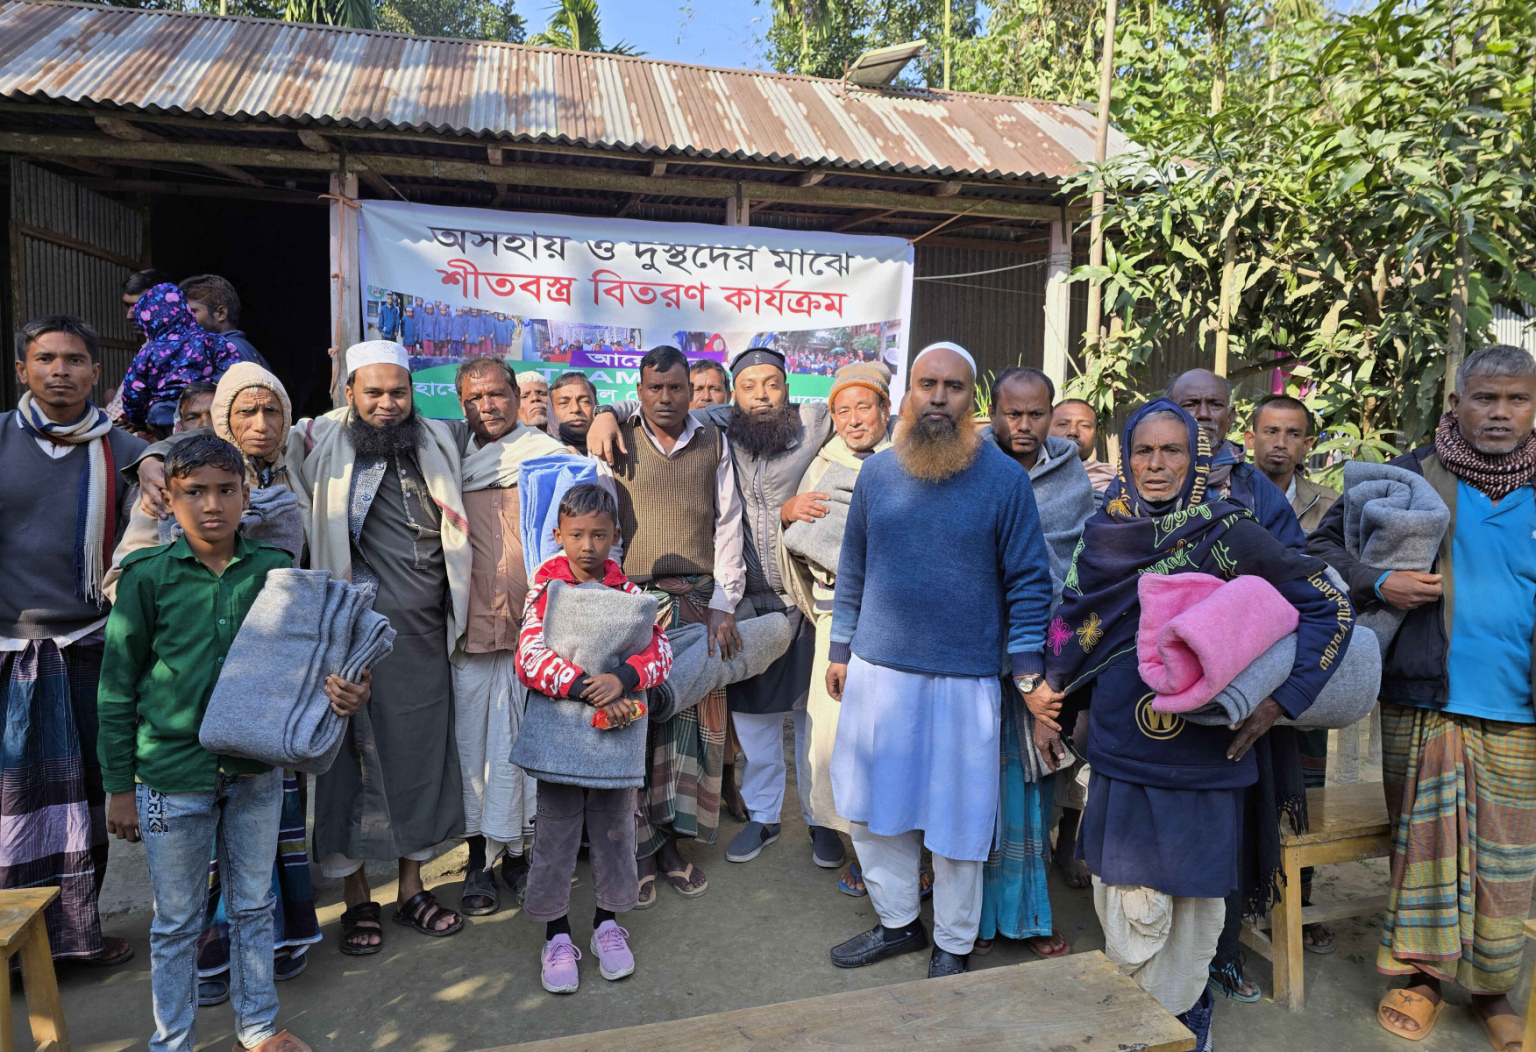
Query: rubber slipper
x=420 y=911
x=1308 y=932
x=352 y=922
x=479 y=885
x=115 y=950
x=1504 y=1030
x=849 y=889
x=682 y=881
x=982 y=947
x=925 y=893
x=647 y=892
x=212 y=992
x=1413 y=1004
x=1032 y=945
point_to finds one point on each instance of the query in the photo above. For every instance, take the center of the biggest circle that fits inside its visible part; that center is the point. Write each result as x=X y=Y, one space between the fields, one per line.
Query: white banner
x=562 y=292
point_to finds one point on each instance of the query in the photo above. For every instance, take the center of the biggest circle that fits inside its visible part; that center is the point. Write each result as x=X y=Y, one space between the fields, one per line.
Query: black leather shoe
x=944 y=963
x=871 y=946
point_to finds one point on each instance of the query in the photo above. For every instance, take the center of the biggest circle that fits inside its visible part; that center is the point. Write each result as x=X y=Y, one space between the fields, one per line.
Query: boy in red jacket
x=588 y=525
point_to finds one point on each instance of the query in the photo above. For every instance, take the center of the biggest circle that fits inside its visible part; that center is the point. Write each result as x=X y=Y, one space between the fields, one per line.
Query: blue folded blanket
x=541 y=483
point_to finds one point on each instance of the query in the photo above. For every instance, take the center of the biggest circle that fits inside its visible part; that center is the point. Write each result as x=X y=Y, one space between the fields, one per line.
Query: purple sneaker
x=611 y=944
x=560 y=957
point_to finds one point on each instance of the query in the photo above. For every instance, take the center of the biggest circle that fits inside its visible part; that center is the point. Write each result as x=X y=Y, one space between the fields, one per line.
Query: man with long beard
x=915 y=659
x=772 y=442
x=379 y=487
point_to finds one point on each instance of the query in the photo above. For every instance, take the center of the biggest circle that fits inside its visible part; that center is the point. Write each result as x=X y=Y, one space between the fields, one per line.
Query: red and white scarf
x=95 y=505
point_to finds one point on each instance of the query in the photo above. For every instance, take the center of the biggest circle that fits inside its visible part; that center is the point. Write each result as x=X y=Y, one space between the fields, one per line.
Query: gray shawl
x=269 y=703
x=1394 y=520
x=696 y=672
x=1348 y=696
x=820 y=541
x=593 y=627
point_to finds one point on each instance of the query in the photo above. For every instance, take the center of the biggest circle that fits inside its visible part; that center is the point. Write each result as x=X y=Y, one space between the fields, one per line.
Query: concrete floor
x=760 y=936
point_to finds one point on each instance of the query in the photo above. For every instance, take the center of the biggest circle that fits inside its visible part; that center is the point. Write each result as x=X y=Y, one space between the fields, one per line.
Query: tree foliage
x=577 y=25
x=852 y=27
x=354 y=14
x=1377 y=197
x=464 y=19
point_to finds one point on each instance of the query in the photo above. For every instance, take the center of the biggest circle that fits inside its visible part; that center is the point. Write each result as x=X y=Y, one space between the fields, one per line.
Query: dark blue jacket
x=1252 y=489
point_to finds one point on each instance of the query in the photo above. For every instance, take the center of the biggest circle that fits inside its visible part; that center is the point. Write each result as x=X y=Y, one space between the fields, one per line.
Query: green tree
x=812 y=16
x=354 y=14
x=577 y=25
x=464 y=19
x=1378 y=200
x=852 y=27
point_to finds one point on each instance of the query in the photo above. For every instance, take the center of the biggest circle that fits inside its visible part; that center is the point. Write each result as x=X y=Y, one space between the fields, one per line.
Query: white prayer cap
x=377 y=352
x=944 y=345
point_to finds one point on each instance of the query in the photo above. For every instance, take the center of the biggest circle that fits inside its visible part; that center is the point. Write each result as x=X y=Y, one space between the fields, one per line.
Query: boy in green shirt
x=178 y=609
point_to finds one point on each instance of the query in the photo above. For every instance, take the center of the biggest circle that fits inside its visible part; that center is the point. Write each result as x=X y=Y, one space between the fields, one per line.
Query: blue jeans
x=239 y=818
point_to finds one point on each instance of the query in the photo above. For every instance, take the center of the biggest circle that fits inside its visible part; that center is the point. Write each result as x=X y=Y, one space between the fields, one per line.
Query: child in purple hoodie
x=177 y=351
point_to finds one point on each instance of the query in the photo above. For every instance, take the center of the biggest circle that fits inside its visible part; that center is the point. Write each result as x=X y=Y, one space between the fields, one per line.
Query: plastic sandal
x=1413 y=1004
x=351 y=924
x=420 y=911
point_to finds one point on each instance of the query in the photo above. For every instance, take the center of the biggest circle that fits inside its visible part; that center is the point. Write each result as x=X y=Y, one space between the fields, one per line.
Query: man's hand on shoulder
x=152 y=488
x=603 y=439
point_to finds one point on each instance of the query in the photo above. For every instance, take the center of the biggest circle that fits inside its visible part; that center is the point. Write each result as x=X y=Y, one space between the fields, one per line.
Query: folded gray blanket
x=595 y=628
x=273 y=517
x=696 y=672
x=820 y=541
x=1348 y=696
x=269 y=703
x=1394 y=520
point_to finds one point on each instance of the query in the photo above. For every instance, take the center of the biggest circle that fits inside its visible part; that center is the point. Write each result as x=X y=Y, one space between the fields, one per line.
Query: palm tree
x=811 y=14
x=575 y=24
x=354 y=14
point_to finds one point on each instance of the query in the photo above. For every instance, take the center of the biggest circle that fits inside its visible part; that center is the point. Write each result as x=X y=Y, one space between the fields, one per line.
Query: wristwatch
x=1028 y=684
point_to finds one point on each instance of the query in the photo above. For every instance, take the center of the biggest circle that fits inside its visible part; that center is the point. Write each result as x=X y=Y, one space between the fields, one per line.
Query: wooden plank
x=1342 y=811
x=222 y=157
x=1364 y=906
x=1288 y=973
x=130 y=132
x=17 y=907
x=1078 y=1002
x=1352 y=849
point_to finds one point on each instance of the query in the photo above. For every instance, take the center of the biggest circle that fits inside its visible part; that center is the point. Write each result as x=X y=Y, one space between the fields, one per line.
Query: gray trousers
x=609 y=817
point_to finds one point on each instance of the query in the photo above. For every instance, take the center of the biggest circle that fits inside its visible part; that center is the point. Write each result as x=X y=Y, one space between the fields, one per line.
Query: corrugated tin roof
x=245 y=68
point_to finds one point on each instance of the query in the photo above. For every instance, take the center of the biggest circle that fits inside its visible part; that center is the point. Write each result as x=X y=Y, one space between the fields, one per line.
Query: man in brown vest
x=680 y=516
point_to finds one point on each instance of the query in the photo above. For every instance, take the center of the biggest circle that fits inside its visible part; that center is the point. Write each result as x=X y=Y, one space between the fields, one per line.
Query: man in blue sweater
x=944 y=570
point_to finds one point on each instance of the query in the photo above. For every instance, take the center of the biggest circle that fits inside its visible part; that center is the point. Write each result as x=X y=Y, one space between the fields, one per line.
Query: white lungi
x=762 y=778
x=892 y=868
x=500 y=800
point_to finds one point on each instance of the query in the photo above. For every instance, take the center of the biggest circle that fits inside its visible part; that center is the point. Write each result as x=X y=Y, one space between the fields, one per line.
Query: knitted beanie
x=873 y=375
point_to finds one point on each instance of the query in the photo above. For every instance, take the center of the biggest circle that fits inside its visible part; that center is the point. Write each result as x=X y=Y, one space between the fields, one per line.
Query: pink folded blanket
x=1197 y=632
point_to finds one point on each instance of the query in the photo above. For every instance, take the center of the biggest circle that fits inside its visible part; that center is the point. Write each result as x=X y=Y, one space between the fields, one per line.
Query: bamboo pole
x=1100 y=150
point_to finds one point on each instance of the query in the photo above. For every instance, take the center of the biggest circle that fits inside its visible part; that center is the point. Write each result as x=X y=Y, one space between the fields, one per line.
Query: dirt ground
x=759 y=936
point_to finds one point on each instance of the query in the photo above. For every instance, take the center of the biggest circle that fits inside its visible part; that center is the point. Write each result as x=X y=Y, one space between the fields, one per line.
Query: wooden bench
x=1348 y=823
x=23 y=932
x=1078 y=1002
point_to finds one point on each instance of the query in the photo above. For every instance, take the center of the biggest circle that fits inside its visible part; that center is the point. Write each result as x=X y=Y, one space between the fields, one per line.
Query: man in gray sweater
x=62 y=506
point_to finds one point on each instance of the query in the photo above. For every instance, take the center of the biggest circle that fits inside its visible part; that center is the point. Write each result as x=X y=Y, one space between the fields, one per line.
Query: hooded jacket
x=177 y=351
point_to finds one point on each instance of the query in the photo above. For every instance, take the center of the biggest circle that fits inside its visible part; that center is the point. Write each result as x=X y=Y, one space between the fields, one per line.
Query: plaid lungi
x=681 y=796
x=1464 y=847
x=53 y=824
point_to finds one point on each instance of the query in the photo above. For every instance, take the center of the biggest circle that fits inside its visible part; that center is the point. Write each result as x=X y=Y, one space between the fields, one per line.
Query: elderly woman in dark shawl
x=1164 y=826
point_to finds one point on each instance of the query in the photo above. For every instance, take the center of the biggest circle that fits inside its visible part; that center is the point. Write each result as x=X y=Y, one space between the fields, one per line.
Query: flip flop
x=1309 y=932
x=925 y=893
x=682 y=881
x=849 y=889
x=1066 y=947
x=1413 y=1004
x=1504 y=1030
x=647 y=892
x=115 y=950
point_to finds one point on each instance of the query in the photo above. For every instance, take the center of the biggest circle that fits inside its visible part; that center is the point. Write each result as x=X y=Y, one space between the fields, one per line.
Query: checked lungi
x=1459 y=792
x=53 y=824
